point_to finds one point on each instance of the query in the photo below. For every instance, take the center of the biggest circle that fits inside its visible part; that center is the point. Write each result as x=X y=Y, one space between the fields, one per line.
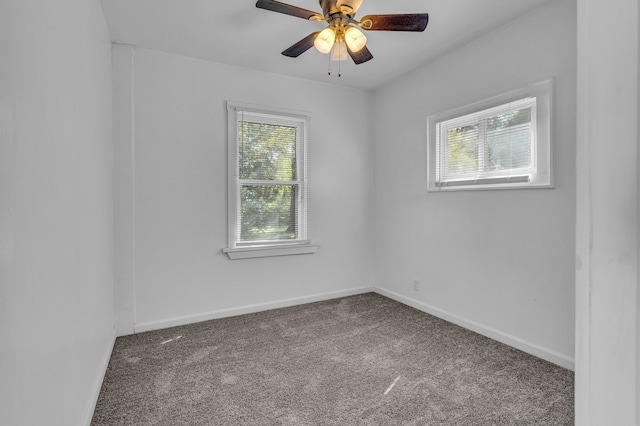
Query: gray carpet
x=359 y=360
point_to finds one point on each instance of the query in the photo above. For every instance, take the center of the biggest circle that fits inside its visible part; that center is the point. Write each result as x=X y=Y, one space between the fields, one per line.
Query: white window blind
x=267 y=181
x=272 y=190
x=495 y=143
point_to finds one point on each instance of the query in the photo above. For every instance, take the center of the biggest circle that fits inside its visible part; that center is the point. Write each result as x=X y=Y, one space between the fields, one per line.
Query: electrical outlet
x=416 y=285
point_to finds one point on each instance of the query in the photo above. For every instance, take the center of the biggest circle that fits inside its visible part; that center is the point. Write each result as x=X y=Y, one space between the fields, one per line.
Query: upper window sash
x=483 y=114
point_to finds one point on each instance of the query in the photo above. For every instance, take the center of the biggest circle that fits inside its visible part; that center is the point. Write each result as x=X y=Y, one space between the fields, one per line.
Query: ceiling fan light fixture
x=355 y=39
x=325 y=40
x=339 y=52
x=339 y=15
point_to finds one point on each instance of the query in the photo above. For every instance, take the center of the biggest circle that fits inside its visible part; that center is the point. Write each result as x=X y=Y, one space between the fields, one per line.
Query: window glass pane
x=268 y=212
x=508 y=141
x=462 y=150
x=266 y=151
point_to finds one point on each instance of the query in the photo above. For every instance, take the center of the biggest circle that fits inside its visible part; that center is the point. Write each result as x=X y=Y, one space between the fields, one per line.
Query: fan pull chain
x=339 y=65
x=339 y=62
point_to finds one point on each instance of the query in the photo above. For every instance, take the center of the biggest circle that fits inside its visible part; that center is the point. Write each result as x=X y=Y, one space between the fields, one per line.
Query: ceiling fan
x=342 y=34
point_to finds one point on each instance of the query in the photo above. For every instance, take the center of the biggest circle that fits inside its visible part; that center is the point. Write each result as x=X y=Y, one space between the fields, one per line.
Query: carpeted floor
x=359 y=360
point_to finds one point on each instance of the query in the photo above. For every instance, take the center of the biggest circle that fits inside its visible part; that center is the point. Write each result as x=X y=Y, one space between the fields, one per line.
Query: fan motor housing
x=329 y=7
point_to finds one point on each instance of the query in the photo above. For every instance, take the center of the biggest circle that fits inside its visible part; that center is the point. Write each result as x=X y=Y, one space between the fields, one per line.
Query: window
x=267 y=183
x=503 y=142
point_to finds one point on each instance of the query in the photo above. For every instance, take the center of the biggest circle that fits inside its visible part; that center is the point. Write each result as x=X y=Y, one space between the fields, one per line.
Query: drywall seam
x=124 y=188
x=133 y=187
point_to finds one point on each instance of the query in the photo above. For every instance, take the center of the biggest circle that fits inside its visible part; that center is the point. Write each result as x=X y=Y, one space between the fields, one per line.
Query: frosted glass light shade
x=339 y=52
x=355 y=39
x=324 y=41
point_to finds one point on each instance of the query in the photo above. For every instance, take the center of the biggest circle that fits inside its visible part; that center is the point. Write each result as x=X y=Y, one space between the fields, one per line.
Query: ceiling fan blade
x=400 y=22
x=287 y=9
x=302 y=46
x=362 y=55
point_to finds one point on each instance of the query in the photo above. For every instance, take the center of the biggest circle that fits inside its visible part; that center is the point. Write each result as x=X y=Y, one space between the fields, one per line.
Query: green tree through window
x=268 y=174
x=491 y=144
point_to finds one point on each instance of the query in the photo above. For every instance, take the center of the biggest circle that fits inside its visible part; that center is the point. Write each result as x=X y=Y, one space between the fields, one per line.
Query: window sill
x=268 y=251
x=510 y=182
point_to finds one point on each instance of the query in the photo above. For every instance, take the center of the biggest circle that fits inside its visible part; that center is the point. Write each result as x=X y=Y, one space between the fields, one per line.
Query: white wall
x=176 y=272
x=500 y=262
x=607 y=333
x=56 y=222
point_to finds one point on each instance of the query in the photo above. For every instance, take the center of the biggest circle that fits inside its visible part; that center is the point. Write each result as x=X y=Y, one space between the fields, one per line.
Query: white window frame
x=237 y=249
x=539 y=96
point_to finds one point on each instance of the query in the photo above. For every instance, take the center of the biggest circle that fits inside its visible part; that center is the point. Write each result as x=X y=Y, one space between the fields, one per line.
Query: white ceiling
x=235 y=32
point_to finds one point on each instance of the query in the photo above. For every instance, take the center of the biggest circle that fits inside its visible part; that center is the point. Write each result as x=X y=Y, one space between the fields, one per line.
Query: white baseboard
x=528 y=347
x=248 y=309
x=516 y=342
x=97 y=385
